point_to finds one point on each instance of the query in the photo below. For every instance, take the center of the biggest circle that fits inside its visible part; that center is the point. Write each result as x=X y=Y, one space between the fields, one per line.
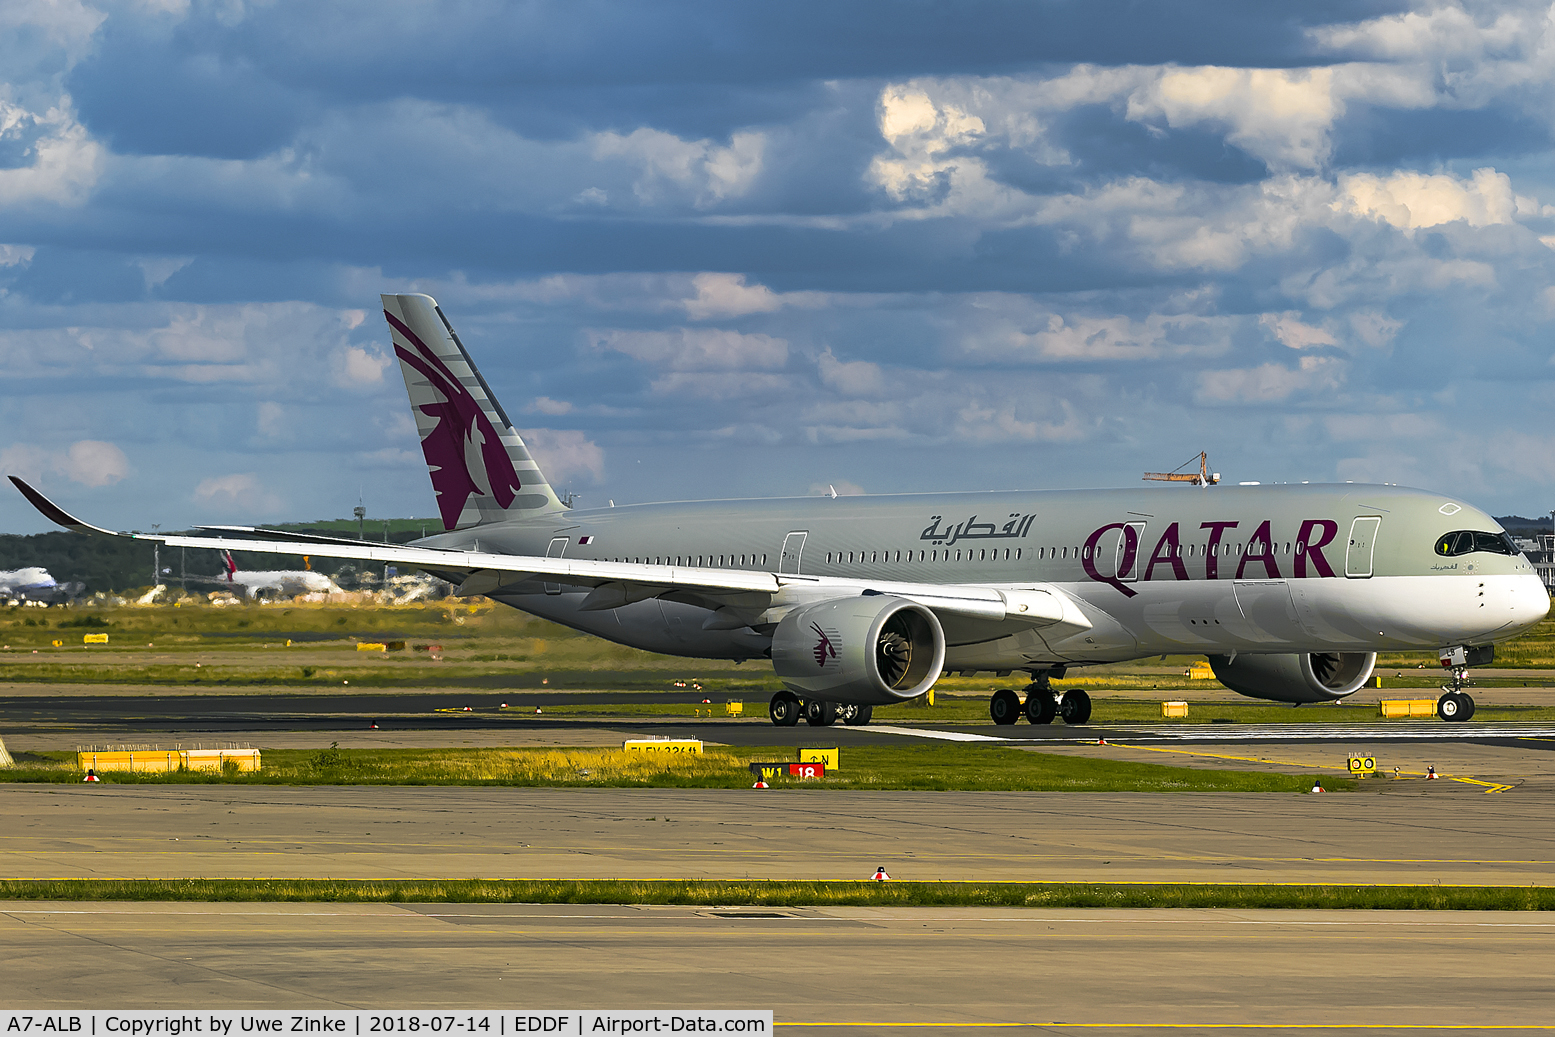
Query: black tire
x=1075 y=707
x=784 y=709
x=1041 y=707
x=1466 y=701
x=858 y=716
x=1450 y=707
x=1004 y=706
x=820 y=714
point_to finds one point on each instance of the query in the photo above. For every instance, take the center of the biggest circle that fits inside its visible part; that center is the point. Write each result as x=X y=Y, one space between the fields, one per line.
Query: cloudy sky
x=707 y=249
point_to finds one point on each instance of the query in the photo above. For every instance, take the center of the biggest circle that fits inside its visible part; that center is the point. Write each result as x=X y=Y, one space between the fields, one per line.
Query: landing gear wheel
x=857 y=716
x=1455 y=707
x=1075 y=707
x=820 y=714
x=1004 y=706
x=1041 y=707
x=784 y=709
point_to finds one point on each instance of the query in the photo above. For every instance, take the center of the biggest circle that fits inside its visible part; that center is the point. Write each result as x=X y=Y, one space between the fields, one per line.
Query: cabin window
x=1017 y=554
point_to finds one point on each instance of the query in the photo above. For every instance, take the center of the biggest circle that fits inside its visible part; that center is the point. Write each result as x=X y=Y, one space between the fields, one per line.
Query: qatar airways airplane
x=862 y=601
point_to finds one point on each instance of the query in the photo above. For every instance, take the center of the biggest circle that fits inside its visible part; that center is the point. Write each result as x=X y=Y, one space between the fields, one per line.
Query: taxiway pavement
x=1413 y=832
x=832 y=971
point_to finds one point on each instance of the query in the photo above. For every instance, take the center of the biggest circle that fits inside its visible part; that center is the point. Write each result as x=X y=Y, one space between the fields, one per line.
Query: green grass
x=887 y=768
x=793 y=893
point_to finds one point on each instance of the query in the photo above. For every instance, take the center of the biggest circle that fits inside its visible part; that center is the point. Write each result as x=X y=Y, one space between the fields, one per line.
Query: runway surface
x=1415 y=832
x=834 y=971
x=32 y=721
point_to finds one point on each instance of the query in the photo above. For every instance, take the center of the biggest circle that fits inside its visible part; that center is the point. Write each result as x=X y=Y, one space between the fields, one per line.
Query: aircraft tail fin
x=481 y=470
x=228 y=564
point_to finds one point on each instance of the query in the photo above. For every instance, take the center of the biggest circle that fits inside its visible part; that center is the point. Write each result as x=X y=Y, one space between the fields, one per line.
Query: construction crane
x=1202 y=477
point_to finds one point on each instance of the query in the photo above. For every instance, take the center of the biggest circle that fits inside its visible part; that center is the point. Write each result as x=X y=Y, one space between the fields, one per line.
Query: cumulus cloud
x=1410 y=200
x=60 y=162
x=850 y=377
x=90 y=462
x=695 y=349
x=710 y=173
x=1270 y=383
x=356 y=366
x=238 y=492
x=1290 y=331
x=566 y=455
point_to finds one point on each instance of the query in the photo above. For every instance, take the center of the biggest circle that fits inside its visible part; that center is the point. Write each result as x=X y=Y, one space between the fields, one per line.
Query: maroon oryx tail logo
x=824 y=649
x=464 y=452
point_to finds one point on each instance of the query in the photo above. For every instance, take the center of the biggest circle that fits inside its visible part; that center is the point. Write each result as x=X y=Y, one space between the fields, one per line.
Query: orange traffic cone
x=537 y=711
x=1101 y=741
x=91 y=775
x=760 y=785
x=374 y=725
x=1317 y=788
x=880 y=876
x=1430 y=774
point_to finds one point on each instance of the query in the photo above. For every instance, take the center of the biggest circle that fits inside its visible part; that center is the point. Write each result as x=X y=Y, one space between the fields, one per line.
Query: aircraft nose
x=1530 y=602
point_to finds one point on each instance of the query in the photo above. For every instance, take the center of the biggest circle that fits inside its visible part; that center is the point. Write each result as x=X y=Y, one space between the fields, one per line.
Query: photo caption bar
x=480 y=1023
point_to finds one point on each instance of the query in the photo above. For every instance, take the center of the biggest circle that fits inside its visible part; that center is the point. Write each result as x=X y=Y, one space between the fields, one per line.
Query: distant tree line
x=117 y=565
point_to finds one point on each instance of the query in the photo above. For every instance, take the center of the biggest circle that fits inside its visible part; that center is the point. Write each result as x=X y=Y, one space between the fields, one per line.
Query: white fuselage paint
x=1272 y=569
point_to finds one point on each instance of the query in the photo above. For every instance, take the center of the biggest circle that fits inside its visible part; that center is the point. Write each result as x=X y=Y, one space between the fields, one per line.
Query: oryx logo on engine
x=825 y=645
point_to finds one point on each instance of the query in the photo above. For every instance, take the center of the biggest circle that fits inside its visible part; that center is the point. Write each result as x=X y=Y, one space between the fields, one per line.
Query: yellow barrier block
x=94 y=639
x=1200 y=672
x=1392 y=709
x=734 y=709
x=372 y=646
x=1174 y=710
x=162 y=761
x=663 y=745
x=815 y=754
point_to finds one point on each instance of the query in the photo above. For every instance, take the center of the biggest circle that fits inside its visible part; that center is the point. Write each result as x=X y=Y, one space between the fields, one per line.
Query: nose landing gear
x=1456 y=705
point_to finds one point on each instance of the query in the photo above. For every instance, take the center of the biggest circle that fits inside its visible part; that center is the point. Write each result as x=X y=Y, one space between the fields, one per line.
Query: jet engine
x=869 y=650
x=1308 y=677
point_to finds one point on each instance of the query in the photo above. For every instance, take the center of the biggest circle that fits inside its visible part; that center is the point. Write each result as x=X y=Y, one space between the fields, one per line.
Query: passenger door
x=793 y=548
x=1363 y=541
x=556 y=550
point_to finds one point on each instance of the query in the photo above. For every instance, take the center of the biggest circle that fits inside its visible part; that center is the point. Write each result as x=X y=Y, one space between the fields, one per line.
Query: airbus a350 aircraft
x=283 y=582
x=861 y=601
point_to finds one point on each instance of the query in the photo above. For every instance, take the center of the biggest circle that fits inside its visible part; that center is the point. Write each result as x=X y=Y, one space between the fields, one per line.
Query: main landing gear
x=1041 y=706
x=1456 y=705
x=786 y=708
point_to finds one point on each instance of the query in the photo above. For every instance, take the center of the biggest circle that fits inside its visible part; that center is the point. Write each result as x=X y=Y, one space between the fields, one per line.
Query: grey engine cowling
x=1308 y=677
x=870 y=650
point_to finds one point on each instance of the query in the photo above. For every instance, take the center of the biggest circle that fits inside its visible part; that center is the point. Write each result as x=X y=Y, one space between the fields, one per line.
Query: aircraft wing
x=619 y=583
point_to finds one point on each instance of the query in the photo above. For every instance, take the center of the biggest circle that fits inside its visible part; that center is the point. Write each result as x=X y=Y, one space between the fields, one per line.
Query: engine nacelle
x=1308 y=677
x=870 y=650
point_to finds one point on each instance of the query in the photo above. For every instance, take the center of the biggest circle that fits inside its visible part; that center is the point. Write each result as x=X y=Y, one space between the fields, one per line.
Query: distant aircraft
x=35 y=584
x=1290 y=590
x=285 y=583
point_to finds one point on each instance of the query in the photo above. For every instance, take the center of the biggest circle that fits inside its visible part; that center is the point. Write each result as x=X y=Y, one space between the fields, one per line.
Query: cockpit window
x=1467 y=541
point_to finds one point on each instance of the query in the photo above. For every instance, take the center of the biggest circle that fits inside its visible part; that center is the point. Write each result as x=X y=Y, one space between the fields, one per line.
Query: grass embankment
x=792 y=893
x=886 y=768
x=484 y=646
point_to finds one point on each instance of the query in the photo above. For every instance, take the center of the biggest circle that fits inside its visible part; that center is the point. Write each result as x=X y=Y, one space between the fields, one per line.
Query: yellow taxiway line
x=1489 y=786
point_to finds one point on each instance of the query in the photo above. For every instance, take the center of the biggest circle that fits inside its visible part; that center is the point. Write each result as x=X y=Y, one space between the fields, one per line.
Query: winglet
x=54 y=513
